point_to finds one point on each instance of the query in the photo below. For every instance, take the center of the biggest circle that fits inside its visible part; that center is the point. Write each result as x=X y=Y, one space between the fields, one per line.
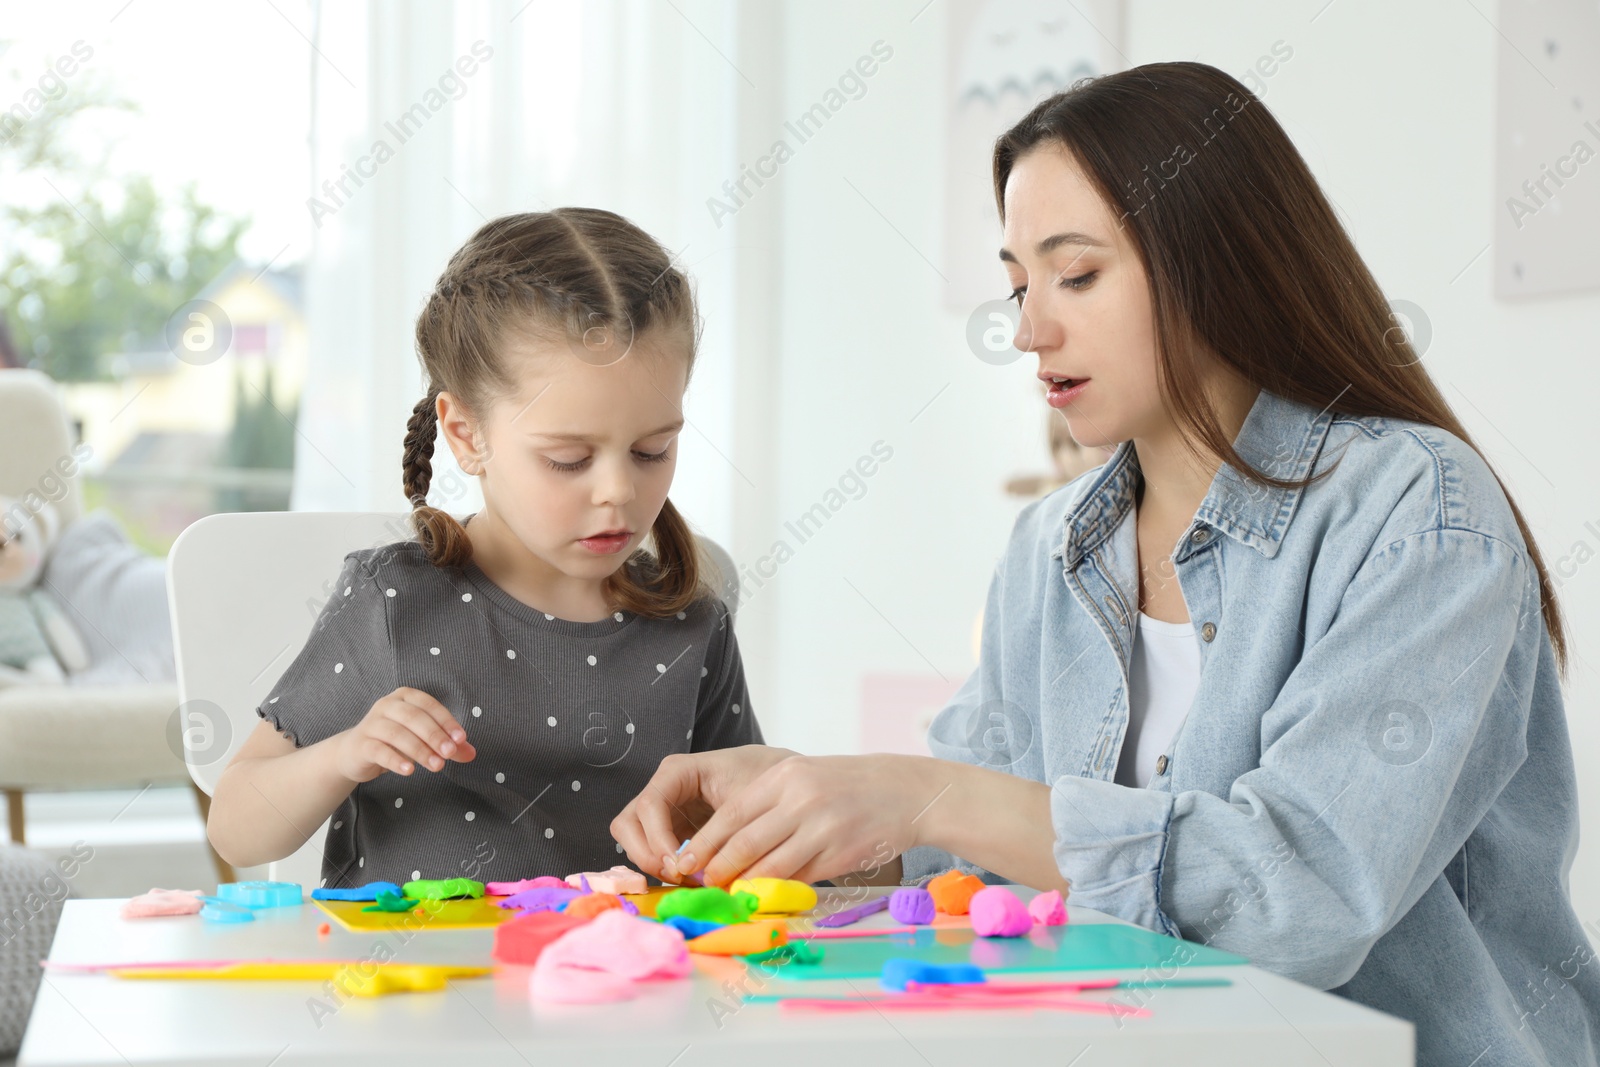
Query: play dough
x=218 y=910
x=848 y=916
x=163 y=902
x=592 y=904
x=952 y=891
x=443 y=888
x=777 y=896
x=709 y=904
x=261 y=894
x=998 y=912
x=548 y=898
x=1048 y=908
x=617 y=880
x=601 y=959
x=742 y=939
x=912 y=906
x=523 y=938
x=898 y=971
x=789 y=952
x=388 y=901
x=690 y=928
x=573 y=985
x=508 y=889
x=369 y=891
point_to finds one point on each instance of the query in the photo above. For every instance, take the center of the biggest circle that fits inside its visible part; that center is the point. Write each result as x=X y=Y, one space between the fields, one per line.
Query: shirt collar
x=1280 y=437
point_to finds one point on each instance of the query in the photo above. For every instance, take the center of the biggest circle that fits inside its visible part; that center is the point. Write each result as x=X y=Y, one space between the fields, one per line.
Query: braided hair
x=584 y=275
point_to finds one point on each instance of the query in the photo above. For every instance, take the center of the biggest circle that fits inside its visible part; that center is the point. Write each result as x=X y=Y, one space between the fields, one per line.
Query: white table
x=84 y=1019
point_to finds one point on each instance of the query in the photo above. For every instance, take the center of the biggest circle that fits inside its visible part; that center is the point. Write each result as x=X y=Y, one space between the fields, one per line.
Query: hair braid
x=440 y=535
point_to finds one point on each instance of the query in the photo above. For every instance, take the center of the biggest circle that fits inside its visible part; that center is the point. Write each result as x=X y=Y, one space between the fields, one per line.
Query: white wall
x=1392 y=106
x=825 y=331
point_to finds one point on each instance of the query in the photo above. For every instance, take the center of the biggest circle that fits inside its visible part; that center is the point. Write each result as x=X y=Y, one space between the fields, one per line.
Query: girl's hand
x=816 y=817
x=684 y=792
x=402 y=729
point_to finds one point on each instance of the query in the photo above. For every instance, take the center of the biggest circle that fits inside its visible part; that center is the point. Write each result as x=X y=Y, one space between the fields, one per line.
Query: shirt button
x=1207 y=632
x=1161 y=765
x=1200 y=536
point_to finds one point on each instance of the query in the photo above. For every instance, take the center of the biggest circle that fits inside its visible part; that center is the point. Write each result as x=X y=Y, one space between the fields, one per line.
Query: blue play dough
x=897 y=972
x=369 y=891
x=218 y=910
x=260 y=894
x=690 y=928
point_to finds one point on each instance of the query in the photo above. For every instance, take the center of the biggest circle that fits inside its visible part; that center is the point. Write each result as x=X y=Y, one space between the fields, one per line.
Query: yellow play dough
x=777 y=896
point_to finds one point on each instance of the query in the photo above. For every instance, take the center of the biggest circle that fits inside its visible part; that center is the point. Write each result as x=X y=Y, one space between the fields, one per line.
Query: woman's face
x=1085 y=301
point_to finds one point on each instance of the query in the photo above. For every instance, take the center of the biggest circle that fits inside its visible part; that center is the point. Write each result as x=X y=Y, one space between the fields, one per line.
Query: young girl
x=483 y=700
x=1282 y=675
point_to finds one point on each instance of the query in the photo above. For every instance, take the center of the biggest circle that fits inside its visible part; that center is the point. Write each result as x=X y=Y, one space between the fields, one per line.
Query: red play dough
x=523 y=938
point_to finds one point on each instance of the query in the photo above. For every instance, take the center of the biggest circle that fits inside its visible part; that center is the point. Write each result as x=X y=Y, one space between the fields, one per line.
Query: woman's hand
x=816 y=817
x=406 y=727
x=678 y=800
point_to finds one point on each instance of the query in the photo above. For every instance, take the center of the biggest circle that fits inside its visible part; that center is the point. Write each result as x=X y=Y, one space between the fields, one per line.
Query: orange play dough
x=953 y=891
x=741 y=939
x=587 y=907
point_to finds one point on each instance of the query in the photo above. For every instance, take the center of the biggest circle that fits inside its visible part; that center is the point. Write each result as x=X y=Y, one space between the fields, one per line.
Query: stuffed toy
x=38 y=644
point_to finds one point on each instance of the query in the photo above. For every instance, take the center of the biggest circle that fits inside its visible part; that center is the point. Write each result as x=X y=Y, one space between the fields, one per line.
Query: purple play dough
x=914 y=907
x=549 y=898
x=853 y=915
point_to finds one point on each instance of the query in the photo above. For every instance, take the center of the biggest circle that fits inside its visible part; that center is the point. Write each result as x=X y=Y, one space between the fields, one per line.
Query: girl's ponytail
x=440 y=535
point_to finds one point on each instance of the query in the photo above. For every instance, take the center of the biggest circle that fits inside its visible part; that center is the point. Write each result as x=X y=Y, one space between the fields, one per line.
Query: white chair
x=61 y=737
x=244 y=590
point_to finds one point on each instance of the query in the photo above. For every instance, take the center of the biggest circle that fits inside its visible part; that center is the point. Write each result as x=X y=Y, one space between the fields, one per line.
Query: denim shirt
x=1373 y=792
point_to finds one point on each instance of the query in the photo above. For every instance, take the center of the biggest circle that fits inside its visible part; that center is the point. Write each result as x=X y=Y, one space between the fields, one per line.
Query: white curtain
x=623 y=105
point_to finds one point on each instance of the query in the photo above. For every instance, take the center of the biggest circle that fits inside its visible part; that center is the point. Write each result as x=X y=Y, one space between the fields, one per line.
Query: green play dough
x=707 y=904
x=387 y=901
x=790 y=952
x=443 y=889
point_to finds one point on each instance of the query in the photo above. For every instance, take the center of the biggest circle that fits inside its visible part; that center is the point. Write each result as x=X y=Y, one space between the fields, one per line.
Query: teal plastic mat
x=1073 y=947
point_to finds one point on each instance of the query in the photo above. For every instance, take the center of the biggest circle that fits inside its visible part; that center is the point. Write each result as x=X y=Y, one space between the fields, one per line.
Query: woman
x=1283 y=674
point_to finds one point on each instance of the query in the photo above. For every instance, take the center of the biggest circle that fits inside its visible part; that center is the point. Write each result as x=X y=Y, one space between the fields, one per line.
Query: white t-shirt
x=1162 y=678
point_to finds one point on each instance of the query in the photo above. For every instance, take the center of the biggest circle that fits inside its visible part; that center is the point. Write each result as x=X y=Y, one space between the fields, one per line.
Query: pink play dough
x=163 y=902
x=572 y=985
x=511 y=889
x=997 y=912
x=622 y=948
x=1047 y=909
x=617 y=881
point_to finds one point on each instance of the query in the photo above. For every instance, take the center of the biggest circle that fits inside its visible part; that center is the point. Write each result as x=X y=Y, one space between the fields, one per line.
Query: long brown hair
x=571 y=274
x=1246 y=259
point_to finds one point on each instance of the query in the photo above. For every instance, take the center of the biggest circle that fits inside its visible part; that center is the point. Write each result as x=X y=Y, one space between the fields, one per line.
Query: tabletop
x=94 y=1019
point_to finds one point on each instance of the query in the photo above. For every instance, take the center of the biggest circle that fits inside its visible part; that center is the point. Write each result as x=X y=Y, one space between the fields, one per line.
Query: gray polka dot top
x=569 y=719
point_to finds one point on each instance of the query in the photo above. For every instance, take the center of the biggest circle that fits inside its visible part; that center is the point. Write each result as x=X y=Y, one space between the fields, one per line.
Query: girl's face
x=576 y=465
x=1085 y=301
